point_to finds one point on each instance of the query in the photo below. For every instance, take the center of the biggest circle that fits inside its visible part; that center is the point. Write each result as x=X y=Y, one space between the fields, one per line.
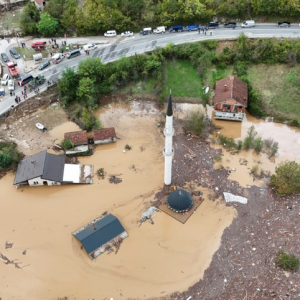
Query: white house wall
x=106 y=141
x=39 y=181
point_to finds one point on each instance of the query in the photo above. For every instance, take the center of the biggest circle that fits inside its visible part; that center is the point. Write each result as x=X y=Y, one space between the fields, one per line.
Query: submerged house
x=104 y=136
x=231 y=99
x=100 y=234
x=49 y=169
x=80 y=141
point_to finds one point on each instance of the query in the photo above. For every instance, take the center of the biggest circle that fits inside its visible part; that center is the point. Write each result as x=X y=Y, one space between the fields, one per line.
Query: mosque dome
x=180 y=201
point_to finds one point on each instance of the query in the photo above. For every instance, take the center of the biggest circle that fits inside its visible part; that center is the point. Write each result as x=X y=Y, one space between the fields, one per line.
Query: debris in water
x=8 y=245
x=233 y=198
x=147 y=215
x=114 y=179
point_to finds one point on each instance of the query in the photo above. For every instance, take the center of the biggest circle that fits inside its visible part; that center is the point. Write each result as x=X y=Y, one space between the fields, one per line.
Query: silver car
x=127 y=33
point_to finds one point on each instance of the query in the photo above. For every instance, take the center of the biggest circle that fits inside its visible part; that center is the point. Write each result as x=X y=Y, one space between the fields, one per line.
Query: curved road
x=140 y=44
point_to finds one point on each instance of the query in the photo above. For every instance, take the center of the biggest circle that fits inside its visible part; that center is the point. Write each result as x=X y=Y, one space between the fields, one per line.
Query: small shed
x=37 y=58
x=180 y=201
x=80 y=141
x=104 y=136
x=99 y=234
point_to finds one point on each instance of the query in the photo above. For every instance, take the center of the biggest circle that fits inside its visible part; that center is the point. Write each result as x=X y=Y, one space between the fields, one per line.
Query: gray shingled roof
x=97 y=235
x=45 y=165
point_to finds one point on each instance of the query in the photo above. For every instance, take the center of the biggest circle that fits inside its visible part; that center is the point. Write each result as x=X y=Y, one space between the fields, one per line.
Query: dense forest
x=96 y=16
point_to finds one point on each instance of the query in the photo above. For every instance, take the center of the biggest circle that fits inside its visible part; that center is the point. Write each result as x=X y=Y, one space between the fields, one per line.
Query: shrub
x=254 y=170
x=286 y=179
x=67 y=144
x=127 y=147
x=239 y=146
x=100 y=172
x=194 y=122
x=287 y=261
x=247 y=143
x=9 y=156
x=258 y=145
x=228 y=143
x=218 y=158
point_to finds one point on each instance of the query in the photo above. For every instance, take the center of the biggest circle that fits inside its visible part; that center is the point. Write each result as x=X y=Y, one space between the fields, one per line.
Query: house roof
x=231 y=88
x=77 y=137
x=180 y=200
x=39 y=2
x=98 y=234
x=45 y=165
x=103 y=134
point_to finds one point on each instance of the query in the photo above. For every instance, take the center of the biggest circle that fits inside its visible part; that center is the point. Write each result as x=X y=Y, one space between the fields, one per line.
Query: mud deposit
x=155 y=260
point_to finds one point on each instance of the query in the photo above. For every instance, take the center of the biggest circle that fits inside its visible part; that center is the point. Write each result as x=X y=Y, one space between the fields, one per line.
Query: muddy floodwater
x=153 y=261
x=288 y=139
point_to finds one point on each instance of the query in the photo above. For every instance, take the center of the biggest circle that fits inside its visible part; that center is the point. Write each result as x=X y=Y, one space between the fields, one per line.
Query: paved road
x=140 y=44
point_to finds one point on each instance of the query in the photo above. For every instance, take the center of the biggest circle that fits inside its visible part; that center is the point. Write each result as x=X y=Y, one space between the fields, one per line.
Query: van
x=110 y=33
x=89 y=47
x=25 y=79
x=160 y=29
x=249 y=23
x=73 y=53
x=212 y=25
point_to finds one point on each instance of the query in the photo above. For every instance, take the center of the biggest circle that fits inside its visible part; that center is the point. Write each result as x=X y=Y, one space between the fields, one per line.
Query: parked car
x=14 y=53
x=11 y=85
x=110 y=33
x=4 y=79
x=127 y=33
x=176 y=28
x=283 y=24
x=40 y=45
x=160 y=29
x=230 y=25
x=212 y=25
x=2 y=91
x=89 y=47
x=146 y=31
x=40 y=126
x=248 y=23
x=192 y=27
x=44 y=65
x=4 y=57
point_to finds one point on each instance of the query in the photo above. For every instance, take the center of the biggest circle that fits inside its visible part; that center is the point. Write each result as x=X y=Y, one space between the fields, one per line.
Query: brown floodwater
x=288 y=139
x=154 y=260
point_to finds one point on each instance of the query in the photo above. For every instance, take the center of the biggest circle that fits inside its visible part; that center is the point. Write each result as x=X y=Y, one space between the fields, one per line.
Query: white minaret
x=168 y=150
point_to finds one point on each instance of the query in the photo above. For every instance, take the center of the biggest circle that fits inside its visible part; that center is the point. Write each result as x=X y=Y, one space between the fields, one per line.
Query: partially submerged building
x=180 y=201
x=104 y=136
x=231 y=99
x=80 y=141
x=100 y=234
x=49 y=169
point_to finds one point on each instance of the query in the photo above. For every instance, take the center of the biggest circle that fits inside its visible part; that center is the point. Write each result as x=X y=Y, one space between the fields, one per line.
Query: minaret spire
x=168 y=150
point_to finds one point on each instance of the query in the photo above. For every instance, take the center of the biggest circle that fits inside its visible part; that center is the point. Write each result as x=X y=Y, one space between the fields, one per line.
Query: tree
x=89 y=119
x=29 y=17
x=55 y=8
x=286 y=179
x=194 y=122
x=69 y=14
x=92 y=68
x=47 y=25
x=86 y=92
x=67 y=86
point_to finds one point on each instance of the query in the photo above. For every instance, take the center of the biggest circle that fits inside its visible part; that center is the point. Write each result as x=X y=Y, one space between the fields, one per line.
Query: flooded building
x=180 y=201
x=104 y=136
x=100 y=234
x=80 y=141
x=49 y=169
x=231 y=99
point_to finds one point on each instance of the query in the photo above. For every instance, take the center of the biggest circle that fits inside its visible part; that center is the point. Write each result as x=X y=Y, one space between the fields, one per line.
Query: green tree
x=286 y=179
x=89 y=119
x=55 y=8
x=194 y=122
x=47 y=25
x=86 y=92
x=67 y=86
x=92 y=68
x=29 y=17
x=68 y=18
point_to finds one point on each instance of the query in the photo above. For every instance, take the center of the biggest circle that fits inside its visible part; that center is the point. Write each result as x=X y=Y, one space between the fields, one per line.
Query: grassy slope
x=182 y=79
x=278 y=88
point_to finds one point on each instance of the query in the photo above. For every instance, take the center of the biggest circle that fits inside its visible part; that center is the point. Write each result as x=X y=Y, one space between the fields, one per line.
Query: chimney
x=225 y=87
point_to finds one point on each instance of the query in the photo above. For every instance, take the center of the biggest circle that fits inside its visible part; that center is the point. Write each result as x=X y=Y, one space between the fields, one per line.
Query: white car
x=40 y=126
x=4 y=79
x=89 y=47
x=110 y=33
x=127 y=33
x=11 y=85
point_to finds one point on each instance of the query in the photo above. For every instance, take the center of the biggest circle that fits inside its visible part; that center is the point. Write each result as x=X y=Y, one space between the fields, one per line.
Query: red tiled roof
x=103 y=134
x=39 y=2
x=236 y=90
x=77 y=137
